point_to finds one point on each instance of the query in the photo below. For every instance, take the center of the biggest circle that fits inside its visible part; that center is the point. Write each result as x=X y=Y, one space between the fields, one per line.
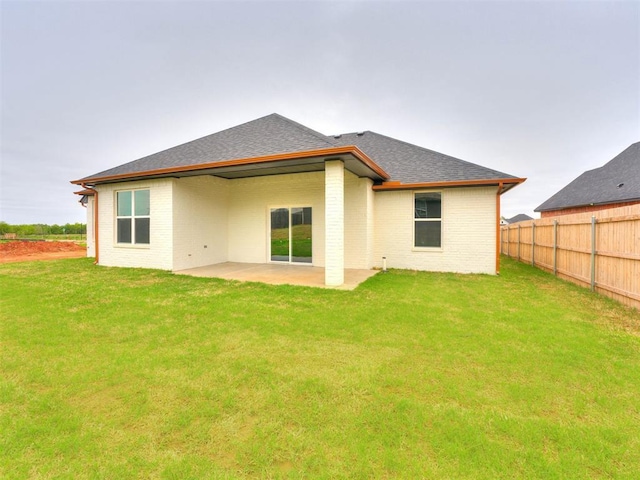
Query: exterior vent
x=359 y=134
x=337 y=136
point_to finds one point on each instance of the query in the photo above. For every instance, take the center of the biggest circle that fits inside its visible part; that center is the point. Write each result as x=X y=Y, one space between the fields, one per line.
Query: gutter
x=95 y=221
x=503 y=184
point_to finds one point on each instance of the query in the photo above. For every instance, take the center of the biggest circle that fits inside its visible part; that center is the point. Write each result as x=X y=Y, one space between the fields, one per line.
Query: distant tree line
x=34 y=229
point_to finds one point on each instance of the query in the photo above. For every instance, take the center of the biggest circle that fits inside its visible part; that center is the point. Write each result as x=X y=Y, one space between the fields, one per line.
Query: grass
x=131 y=373
x=54 y=236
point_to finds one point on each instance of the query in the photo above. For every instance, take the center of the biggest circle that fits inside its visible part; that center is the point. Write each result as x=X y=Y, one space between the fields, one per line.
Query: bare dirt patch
x=23 y=251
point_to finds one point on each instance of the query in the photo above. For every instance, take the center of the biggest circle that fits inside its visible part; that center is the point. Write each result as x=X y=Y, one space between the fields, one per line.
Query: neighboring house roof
x=617 y=181
x=279 y=145
x=521 y=217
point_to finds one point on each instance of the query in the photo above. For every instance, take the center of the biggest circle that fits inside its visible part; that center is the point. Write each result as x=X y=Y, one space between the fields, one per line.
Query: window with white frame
x=427 y=220
x=133 y=220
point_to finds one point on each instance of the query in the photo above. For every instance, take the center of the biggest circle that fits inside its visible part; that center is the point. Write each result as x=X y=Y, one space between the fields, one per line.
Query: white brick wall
x=468 y=231
x=158 y=254
x=334 y=218
x=231 y=217
x=200 y=221
x=250 y=201
x=358 y=221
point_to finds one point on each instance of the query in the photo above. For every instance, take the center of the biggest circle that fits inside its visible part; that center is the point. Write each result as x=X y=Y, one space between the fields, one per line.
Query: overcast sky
x=544 y=90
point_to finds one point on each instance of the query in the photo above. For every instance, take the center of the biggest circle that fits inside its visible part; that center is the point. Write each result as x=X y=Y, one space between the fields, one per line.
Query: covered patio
x=275 y=274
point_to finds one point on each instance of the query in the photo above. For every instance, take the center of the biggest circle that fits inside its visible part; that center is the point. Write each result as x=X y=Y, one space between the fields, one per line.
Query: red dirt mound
x=22 y=251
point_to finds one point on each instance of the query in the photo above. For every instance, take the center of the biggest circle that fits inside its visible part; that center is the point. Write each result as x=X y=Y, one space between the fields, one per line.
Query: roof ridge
x=622 y=155
x=300 y=126
x=598 y=186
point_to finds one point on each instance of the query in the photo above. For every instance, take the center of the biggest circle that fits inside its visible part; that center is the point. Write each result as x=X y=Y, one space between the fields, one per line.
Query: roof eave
x=505 y=184
x=592 y=204
x=323 y=152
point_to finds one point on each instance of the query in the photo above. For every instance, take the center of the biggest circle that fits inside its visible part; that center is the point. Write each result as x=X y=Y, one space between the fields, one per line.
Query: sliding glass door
x=291 y=235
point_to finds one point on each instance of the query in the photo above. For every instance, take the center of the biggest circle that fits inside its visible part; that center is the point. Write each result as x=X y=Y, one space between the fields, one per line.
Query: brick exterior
x=250 y=201
x=334 y=218
x=204 y=220
x=468 y=232
x=159 y=252
x=358 y=222
x=200 y=221
x=587 y=208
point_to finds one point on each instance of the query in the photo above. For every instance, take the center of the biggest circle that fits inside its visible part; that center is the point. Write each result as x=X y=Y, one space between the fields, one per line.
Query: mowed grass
x=130 y=373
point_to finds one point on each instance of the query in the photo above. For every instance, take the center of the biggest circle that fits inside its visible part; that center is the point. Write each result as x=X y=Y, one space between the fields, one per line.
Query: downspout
x=95 y=221
x=498 y=193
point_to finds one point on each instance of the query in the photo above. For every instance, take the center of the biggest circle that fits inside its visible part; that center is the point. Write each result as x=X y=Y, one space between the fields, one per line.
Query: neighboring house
x=521 y=217
x=272 y=190
x=616 y=184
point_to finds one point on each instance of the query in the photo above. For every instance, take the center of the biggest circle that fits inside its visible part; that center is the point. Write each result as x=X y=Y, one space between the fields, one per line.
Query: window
x=427 y=220
x=132 y=217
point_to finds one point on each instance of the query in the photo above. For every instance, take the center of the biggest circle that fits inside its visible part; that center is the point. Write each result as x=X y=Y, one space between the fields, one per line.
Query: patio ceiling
x=281 y=167
x=277 y=165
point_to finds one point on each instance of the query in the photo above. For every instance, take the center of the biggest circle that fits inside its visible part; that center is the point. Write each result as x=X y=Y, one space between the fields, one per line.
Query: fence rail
x=600 y=250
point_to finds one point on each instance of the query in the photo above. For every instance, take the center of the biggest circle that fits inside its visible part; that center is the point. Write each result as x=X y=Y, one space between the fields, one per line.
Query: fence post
x=518 y=242
x=533 y=244
x=593 y=253
x=507 y=241
x=555 y=247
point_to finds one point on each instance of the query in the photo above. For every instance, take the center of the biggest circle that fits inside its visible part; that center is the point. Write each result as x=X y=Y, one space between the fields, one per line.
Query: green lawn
x=54 y=236
x=126 y=373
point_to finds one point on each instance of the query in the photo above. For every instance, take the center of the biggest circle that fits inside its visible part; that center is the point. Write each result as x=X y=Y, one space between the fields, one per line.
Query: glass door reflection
x=291 y=239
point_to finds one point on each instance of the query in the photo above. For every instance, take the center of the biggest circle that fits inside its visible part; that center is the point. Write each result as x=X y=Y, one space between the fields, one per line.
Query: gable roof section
x=410 y=164
x=270 y=135
x=616 y=181
x=288 y=146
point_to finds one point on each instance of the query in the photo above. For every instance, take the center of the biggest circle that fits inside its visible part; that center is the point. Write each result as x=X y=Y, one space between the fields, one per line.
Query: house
x=616 y=184
x=521 y=217
x=274 y=191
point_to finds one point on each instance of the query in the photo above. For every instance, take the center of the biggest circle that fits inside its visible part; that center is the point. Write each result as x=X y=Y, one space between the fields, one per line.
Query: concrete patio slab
x=275 y=274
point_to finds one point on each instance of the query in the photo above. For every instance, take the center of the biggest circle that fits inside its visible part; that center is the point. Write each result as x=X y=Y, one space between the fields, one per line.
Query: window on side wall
x=133 y=220
x=427 y=220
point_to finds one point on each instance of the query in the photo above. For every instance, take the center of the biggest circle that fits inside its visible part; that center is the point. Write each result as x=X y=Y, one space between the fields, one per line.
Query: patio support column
x=334 y=222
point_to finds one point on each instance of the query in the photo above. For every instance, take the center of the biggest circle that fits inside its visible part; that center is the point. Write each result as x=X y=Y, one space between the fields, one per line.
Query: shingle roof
x=616 y=181
x=268 y=135
x=409 y=163
x=521 y=217
x=275 y=134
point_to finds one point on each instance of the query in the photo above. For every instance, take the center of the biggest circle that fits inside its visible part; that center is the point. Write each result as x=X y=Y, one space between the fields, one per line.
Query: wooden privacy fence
x=600 y=250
